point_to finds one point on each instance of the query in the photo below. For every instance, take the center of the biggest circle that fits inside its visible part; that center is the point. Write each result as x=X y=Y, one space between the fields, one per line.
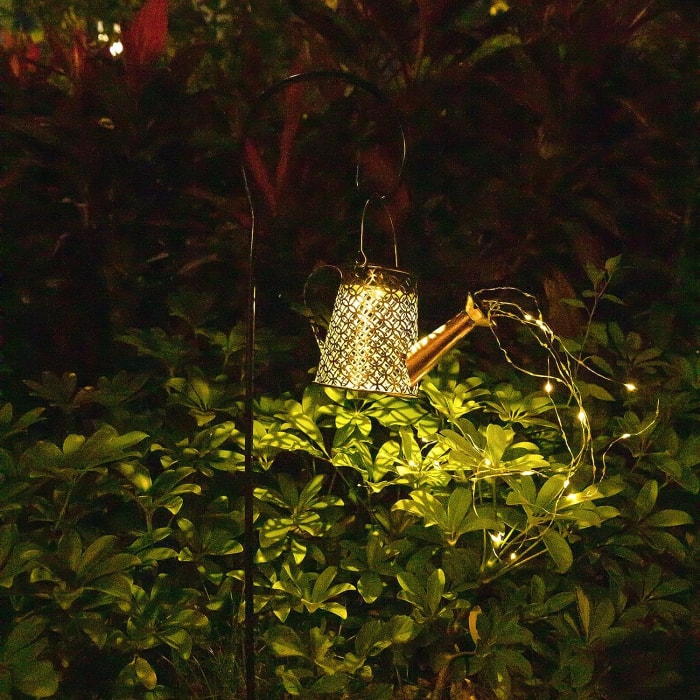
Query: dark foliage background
x=542 y=137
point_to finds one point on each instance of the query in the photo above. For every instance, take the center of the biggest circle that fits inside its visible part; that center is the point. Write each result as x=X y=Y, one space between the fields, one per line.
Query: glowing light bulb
x=630 y=387
x=527 y=472
x=116 y=48
x=566 y=483
x=496 y=538
x=487 y=462
x=527 y=317
x=572 y=496
x=549 y=387
x=624 y=436
x=582 y=416
x=513 y=556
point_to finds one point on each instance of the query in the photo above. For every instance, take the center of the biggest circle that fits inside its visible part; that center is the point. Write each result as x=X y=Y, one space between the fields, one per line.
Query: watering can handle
x=362 y=257
x=317 y=322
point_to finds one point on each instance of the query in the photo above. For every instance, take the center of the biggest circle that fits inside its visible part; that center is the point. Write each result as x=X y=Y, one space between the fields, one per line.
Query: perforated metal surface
x=373 y=325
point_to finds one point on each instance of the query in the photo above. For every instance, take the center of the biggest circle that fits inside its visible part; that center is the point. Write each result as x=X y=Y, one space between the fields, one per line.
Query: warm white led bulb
x=630 y=387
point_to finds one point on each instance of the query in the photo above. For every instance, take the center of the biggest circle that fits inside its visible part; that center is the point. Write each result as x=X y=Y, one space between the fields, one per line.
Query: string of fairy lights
x=510 y=547
x=562 y=364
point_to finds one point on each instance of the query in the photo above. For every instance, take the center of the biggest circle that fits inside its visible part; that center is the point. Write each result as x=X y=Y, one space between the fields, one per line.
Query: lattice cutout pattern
x=373 y=325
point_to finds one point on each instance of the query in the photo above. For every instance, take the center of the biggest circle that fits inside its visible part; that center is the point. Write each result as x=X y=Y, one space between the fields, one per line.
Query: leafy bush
x=406 y=547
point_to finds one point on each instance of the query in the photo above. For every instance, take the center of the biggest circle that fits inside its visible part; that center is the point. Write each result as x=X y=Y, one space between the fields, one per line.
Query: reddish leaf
x=293 y=107
x=260 y=174
x=24 y=53
x=79 y=55
x=145 y=39
x=431 y=12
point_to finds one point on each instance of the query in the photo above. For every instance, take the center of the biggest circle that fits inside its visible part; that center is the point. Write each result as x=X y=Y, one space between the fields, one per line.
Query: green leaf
x=576 y=303
x=581 y=667
x=401 y=629
x=290 y=680
x=494 y=44
x=284 y=641
x=31 y=676
x=458 y=506
x=613 y=299
x=670 y=587
x=558 y=602
x=116 y=585
x=668 y=518
x=69 y=550
x=370 y=586
x=597 y=392
x=602 y=619
x=550 y=492
x=584 y=610
x=179 y=640
x=57 y=391
x=333 y=684
x=112 y=565
x=37 y=679
x=435 y=587
x=323 y=583
x=559 y=550
x=612 y=264
x=96 y=551
x=22 y=635
x=145 y=673
x=307 y=497
x=646 y=498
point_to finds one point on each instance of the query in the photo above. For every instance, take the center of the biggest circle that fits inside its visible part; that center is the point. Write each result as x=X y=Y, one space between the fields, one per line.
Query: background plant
x=541 y=137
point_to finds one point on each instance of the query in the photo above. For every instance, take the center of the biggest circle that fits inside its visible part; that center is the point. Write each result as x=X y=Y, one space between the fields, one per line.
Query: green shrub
x=438 y=545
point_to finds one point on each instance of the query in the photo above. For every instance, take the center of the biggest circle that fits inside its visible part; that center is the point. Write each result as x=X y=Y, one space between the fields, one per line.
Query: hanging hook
x=363 y=257
x=328 y=74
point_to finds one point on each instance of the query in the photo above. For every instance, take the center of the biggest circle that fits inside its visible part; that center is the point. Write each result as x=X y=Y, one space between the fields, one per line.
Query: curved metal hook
x=362 y=261
x=329 y=74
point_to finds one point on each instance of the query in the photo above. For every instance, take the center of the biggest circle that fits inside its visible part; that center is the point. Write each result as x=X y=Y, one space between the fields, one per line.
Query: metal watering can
x=372 y=344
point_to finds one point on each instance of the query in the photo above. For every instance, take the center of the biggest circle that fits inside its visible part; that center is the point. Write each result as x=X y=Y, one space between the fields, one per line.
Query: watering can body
x=372 y=339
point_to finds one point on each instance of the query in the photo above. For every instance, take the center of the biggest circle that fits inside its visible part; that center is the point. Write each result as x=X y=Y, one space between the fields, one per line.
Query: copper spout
x=426 y=353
